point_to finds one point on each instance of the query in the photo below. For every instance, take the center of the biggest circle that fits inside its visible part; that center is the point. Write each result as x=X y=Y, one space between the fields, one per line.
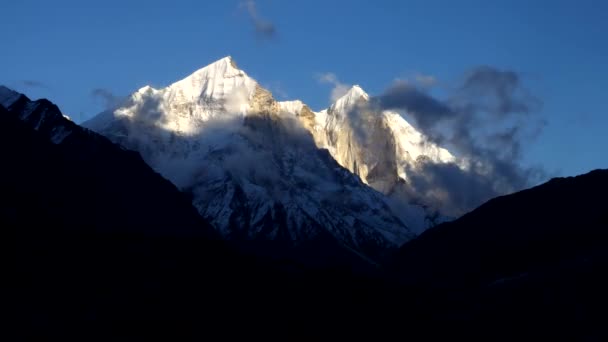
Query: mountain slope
x=511 y=234
x=541 y=252
x=253 y=170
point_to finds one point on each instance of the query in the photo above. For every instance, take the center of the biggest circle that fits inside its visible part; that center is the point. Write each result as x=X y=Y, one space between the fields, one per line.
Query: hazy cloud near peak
x=35 y=84
x=426 y=110
x=263 y=28
x=501 y=90
x=107 y=97
x=277 y=88
x=486 y=122
x=425 y=80
x=339 y=88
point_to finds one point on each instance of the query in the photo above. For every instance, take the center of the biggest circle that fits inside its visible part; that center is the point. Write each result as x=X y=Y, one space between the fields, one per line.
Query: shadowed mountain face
x=61 y=174
x=94 y=244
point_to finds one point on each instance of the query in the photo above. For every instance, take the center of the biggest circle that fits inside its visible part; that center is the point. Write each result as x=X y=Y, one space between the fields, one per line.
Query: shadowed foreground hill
x=537 y=255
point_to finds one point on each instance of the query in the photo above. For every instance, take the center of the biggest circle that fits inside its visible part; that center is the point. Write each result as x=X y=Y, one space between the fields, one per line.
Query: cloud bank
x=486 y=121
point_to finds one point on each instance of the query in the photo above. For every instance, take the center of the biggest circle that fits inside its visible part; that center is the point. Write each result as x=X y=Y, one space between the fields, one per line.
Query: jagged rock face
x=252 y=166
x=364 y=144
x=379 y=147
x=263 y=102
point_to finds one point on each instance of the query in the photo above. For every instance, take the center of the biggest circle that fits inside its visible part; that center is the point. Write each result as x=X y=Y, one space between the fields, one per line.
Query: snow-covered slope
x=251 y=163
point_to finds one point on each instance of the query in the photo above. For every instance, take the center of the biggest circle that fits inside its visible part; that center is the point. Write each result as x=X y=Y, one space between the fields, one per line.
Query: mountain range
x=259 y=169
x=208 y=207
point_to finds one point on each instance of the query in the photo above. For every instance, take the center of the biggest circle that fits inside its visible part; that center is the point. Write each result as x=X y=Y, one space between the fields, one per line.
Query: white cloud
x=425 y=80
x=339 y=90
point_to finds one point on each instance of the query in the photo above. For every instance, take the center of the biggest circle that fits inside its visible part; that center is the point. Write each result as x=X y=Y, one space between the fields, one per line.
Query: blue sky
x=64 y=49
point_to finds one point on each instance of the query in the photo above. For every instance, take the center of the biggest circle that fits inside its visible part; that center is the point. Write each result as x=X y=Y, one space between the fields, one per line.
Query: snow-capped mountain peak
x=356 y=92
x=390 y=128
x=218 y=91
x=217 y=81
x=222 y=68
x=349 y=100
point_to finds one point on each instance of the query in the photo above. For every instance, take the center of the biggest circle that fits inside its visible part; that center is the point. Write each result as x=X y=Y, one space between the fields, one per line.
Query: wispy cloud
x=277 y=89
x=339 y=88
x=107 y=97
x=34 y=84
x=425 y=80
x=262 y=27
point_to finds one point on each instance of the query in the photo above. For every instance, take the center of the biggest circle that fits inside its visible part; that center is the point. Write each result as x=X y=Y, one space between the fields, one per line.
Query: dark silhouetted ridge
x=539 y=255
